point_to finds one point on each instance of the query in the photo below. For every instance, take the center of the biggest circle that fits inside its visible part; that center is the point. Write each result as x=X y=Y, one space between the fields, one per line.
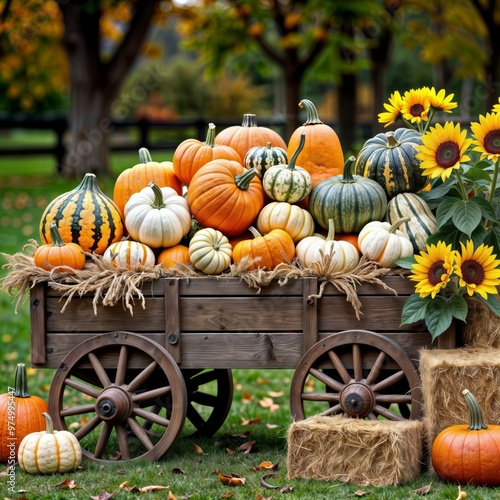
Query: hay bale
x=445 y=373
x=363 y=452
x=482 y=329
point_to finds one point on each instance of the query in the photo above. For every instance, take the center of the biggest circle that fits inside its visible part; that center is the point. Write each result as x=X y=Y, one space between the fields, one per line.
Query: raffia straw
x=109 y=286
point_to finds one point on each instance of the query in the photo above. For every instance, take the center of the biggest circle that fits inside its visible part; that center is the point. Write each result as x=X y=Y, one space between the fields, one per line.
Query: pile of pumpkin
x=245 y=195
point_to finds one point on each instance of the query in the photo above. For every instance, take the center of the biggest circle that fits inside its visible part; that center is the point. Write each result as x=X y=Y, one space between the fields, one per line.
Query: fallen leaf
x=197 y=449
x=232 y=480
x=461 y=494
x=360 y=493
x=269 y=403
x=6 y=471
x=145 y=489
x=230 y=452
x=247 y=447
x=272 y=426
x=265 y=484
x=68 y=483
x=104 y=496
x=240 y=435
x=263 y=381
x=171 y=496
x=252 y=421
x=425 y=490
x=229 y=494
x=177 y=470
x=260 y=497
x=274 y=394
x=246 y=397
x=266 y=465
x=286 y=489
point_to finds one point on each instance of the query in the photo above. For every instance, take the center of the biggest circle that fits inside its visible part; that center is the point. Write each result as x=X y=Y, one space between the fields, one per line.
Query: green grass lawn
x=26 y=186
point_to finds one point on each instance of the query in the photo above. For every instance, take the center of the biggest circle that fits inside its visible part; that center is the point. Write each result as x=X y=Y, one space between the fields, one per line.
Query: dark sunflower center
x=435 y=272
x=447 y=154
x=492 y=142
x=417 y=109
x=472 y=272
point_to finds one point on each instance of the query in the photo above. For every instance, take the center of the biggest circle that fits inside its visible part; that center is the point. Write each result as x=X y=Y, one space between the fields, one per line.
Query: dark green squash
x=262 y=158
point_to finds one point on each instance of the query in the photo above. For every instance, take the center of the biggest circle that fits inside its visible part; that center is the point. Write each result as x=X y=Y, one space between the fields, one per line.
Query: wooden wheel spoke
x=204 y=378
x=393 y=398
x=151 y=395
x=82 y=387
x=320 y=396
x=194 y=417
x=389 y=381
x=328 y=381
x=151 y=416
x=204 y=399
x=122 y=437
x=99 y=370
x=331 y=411
x=385 y=412
x=103 y=439
x=77 y=410
x=357 y=362
x=142 y=377
x=88 y=427
x=121 y=366
x=376 y=368
x=140 y=433
x=339 y=366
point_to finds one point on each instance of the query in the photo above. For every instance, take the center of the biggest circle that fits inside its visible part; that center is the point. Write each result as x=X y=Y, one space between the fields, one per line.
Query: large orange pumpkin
x=20 y=415
x=191 y=154
x=322 y=155
x=265 y=251
x=248 y=135
x=223 y=195
x=133 y=179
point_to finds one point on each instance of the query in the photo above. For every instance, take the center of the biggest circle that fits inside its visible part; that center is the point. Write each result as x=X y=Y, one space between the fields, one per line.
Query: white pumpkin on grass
x=157 y=217
x=384 y=243
x=128 y=254
x=345 y=256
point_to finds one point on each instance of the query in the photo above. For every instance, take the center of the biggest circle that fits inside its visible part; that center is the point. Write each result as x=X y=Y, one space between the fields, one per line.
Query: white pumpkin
x=157 y=217
x=127 y=254
x=384 y=243
x=210 y=251
x=345 y=256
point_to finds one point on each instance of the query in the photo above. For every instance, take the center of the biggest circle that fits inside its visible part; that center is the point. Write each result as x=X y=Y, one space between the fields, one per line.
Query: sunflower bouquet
x=460 y=258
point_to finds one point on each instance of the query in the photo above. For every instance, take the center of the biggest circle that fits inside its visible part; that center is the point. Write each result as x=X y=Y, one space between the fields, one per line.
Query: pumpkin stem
x=394 y=227
x=249 y=120
x=331 y=230
x=254 y=231
x=210 y=140
x=158 y=202
x=391 y=140
x=476 y=420
x=269 y=146
x=21 y=382
x=300 y=147
x=55 y=235
x=48 y=423
x=144 y=155
x=243 y=180
x=348 y=175
x=312 y=117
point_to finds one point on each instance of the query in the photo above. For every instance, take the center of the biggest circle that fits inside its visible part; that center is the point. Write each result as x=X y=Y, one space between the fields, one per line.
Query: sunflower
x=478 y=270
x=393 y=109
x=487 y=136
x=443 y=150
x=416 y=105
x=441 y=102
x=433 y=269
x=496 y=107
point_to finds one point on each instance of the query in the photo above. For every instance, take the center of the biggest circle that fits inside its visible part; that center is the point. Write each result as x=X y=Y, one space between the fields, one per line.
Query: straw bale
x=445 y=373
x=363 y=452
x=482 y=329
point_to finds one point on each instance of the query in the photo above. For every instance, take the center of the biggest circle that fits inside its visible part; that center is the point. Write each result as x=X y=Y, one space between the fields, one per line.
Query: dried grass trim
x=109 y=286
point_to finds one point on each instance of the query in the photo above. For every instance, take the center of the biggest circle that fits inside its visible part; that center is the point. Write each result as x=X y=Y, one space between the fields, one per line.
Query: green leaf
x=445 y=210
x=457 y=306
x=438 y=317
x=492 y=302
x=466 y=216
x=414 y=309
x=487 y=209
x=476 y=174
x=492 y=239
x=406 y=262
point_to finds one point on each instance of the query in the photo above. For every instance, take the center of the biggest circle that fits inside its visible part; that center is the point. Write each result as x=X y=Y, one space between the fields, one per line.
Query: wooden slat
x=310 y=312
x=172 y=319
x=37 y=325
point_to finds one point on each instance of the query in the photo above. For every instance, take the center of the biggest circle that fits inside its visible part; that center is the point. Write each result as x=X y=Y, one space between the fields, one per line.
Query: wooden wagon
x=126 y=384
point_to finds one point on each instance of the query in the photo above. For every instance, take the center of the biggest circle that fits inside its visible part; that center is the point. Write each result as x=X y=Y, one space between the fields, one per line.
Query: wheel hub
x=113 y=405
x=357 y=400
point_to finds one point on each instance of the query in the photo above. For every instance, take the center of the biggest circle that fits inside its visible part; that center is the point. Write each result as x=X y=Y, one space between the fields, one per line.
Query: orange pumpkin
x=59 y=253
x=468 y=454
x=248 y=135
x=322 y=155
x=267 y=251
x=133 y=179
x=191 y=154
x=20 y=415
x=225 y=196
x=351 y=238
x=170 y=257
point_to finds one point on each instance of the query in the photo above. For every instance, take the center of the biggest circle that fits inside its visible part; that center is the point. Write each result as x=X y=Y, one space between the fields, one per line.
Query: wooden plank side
x=37 y=325
x=396 y=286
x=172 y=340
x=310 y=311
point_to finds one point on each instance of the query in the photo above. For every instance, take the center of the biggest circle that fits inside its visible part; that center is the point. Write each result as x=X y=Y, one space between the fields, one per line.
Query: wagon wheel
x=110 y=404
x=366 y=375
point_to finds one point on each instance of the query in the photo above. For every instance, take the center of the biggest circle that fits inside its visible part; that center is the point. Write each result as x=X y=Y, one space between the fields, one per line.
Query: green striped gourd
x=350 y=200
x=389 y=158
x=263 y=158
x=85 y=216
x=422 y=221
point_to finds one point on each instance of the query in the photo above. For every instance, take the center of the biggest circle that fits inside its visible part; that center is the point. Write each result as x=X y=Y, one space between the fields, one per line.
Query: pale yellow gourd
x=210 y=251
x=49 y=451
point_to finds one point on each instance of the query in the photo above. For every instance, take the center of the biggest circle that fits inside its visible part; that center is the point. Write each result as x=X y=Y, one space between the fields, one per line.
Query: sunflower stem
x=493 y=186
x=461 y=186
x=429 y=120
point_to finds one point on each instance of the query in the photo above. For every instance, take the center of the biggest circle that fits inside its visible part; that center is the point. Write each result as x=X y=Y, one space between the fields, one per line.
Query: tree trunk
x=293 y=79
